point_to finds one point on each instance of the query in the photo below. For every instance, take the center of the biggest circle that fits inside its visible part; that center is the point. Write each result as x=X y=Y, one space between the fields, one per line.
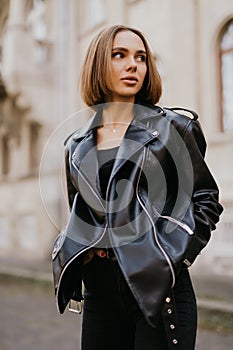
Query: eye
x=141 y=58
x=118 y=55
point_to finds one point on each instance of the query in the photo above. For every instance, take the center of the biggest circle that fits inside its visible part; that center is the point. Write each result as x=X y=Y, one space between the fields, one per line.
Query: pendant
x=114 y=131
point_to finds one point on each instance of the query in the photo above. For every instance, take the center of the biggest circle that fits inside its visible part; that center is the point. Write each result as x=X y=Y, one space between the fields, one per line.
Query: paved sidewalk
x=213 y=291
x=36 y=270
x=29 y=320
x=213 y=286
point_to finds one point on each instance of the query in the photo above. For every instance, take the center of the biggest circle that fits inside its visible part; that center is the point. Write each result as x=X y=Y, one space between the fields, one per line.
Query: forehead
x=129 y=40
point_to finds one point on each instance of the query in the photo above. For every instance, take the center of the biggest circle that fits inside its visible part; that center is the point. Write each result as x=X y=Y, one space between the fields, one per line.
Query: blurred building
x=43 y=44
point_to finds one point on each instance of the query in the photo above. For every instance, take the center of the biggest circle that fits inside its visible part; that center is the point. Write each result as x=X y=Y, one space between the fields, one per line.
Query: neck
x=118 y=112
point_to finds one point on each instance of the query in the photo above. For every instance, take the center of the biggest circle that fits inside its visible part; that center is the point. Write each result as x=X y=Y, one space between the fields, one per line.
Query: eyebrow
x=126 y=50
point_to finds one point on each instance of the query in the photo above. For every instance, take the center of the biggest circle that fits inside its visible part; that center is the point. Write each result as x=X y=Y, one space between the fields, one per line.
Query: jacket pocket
x=175 y=236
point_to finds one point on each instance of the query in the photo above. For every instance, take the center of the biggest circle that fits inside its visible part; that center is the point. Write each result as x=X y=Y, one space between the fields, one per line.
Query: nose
x=131 y=65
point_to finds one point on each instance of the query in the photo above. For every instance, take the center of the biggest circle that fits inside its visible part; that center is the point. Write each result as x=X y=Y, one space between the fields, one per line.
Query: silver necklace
x=114 y=130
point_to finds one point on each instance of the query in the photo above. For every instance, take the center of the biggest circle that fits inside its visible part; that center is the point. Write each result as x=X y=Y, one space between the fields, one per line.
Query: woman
x=143 y=205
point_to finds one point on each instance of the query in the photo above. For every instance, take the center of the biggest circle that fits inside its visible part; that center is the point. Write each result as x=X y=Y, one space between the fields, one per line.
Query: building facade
x=43 y=44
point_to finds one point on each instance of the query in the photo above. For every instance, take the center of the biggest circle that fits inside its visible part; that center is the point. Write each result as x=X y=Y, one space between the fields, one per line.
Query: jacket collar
x=143 y=112
x=139 y=133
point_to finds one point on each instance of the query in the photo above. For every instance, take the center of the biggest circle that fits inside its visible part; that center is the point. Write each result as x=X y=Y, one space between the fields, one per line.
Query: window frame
x=88 y=23
x=220 y=53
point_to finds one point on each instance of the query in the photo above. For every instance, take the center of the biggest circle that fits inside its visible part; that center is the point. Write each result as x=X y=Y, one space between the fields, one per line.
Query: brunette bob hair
x=96 y=71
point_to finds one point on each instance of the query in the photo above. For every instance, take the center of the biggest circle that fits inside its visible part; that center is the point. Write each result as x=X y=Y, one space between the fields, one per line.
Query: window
x=34 y=133
x=226 y=76
x=36 y=19
x=4 y=11
x=5 y=156
x=94 y=13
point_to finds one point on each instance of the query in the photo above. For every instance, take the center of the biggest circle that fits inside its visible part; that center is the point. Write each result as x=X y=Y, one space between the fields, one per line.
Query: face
x=128 y=67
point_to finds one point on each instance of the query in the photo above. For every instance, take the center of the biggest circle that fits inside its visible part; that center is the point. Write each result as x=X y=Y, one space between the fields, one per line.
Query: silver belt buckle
x=76 y=306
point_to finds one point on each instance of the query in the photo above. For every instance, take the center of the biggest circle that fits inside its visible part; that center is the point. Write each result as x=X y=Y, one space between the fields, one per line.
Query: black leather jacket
x=161 y=205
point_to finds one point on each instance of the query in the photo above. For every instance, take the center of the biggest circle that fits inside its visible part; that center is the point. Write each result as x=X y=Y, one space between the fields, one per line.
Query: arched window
x=226 y=75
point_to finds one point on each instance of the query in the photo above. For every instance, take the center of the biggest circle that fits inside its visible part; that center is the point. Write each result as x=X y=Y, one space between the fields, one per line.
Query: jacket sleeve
x=205 y=197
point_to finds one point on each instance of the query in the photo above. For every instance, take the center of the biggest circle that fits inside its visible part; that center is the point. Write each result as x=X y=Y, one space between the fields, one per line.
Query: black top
x=106 y=159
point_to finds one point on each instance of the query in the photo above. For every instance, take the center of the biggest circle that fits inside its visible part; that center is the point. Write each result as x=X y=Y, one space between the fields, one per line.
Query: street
x=29 y=321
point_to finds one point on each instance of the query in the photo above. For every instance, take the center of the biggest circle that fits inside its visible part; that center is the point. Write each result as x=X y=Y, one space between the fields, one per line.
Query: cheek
x=117 y=68
x=143 y=72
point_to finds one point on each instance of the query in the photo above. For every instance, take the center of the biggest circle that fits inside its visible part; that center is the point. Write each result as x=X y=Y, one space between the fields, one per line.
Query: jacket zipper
x=87 y=248
x=175 y=221
x=153 y=225
x=74 y=257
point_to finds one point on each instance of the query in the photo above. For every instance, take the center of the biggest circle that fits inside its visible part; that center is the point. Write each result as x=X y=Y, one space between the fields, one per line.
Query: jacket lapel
x=136 y=137
x=139 y=133
x=85 y=162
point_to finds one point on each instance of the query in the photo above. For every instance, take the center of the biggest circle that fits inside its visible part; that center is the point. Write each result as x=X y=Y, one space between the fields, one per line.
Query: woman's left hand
x=90 y=254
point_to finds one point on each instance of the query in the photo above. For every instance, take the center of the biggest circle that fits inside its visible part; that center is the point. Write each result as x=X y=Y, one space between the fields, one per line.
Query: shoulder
x=69 y=141
x=84 y=130
x=167 y=118
x=179 y=118
x=77 y=135
x=180 y=112
x=72 y=140
x=176 y=115
x=182 y=119
x=186 y=123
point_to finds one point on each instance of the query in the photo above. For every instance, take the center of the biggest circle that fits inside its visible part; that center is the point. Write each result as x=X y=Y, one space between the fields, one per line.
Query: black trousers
x=112 y=319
